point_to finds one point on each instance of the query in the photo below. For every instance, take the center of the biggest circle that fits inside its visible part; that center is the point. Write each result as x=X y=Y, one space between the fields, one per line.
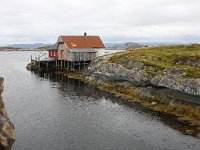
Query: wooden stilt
x=39 y=62
x=56 y=63
x=64 y=64
x=79 y=61
x=84 y=60
x=61 y=64
x=31 y=62
x=67 y=65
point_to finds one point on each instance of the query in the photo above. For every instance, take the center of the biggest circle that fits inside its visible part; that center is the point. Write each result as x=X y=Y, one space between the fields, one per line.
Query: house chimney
x=85 y=34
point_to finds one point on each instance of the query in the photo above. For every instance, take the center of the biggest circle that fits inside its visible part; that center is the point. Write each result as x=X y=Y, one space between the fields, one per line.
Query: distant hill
x=44 y=47
x=141 y=44
x=35 y=45
x=124 y=45
x=163 y=43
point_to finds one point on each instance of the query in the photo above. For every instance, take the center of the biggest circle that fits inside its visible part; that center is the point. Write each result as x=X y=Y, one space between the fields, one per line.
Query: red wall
x=53 y=54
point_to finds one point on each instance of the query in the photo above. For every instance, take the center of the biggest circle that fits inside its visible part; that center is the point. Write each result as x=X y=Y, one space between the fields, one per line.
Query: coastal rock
x=115 y=72
x=32 y=66
x=185 y=85
x=1 y=84
x=135 y=74
x=7 y=132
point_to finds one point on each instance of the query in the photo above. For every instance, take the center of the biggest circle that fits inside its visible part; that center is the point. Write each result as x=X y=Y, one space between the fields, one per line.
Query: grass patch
x=164 y=57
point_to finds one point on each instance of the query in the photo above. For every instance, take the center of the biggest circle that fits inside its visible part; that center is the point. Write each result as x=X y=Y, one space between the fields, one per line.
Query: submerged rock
x=32 y=66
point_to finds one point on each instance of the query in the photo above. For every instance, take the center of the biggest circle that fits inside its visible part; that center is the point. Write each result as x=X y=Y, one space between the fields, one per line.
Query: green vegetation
x=44 y=47
x=180 y=57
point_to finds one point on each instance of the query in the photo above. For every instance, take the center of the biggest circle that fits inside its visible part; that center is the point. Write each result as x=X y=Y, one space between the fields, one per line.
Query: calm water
x=50 y=114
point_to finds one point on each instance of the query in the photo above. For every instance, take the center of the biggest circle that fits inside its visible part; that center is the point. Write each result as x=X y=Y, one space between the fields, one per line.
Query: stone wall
x=7 y=132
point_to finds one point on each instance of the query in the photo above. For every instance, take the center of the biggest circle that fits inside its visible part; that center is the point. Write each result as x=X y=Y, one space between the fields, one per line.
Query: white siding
x=62 y=46
x=111 y=51
x=103 y=51
x=100 y=51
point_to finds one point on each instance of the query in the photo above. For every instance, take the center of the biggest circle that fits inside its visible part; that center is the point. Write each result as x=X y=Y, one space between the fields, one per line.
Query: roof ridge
x=79 y=36
x=76 y=41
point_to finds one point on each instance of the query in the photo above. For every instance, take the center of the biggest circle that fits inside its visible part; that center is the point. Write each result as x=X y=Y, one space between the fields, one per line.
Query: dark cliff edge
x=7 y=131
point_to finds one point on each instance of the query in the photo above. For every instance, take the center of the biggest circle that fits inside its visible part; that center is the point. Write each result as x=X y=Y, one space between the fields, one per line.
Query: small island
x=165 y=79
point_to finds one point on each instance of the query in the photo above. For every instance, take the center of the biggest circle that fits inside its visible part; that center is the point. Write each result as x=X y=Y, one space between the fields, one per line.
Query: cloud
x=28 y=21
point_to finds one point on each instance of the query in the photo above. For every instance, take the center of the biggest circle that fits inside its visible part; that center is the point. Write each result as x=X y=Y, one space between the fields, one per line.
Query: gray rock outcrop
x=102 y=69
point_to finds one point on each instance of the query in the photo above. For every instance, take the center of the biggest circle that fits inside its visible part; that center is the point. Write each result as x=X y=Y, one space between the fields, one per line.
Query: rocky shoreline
x=137 y=75
x=135 y=85
x=7 y=130
x=153 y=83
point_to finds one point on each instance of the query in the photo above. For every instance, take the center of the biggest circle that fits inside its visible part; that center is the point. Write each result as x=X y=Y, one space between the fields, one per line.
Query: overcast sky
x=33 y=21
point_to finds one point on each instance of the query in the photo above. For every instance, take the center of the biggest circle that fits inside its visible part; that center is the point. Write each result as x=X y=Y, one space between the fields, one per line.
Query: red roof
x=83 y=42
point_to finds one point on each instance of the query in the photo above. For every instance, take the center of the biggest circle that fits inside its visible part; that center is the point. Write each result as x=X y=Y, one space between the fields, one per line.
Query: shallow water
x=52 y=114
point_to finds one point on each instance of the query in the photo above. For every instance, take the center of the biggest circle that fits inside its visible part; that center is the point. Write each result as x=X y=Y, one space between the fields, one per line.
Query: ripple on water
x=52 y=114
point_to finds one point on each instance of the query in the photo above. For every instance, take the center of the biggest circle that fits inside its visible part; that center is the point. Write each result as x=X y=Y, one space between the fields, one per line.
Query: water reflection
x=92 y=94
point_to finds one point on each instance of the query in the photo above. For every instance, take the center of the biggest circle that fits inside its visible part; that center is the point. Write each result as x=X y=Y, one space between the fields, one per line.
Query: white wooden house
x=79 y=48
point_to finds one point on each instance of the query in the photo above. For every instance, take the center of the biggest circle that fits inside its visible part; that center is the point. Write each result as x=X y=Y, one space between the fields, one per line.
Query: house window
x=55 y=53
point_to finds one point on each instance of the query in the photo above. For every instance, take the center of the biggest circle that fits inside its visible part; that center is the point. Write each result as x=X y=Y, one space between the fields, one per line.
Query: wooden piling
x=56 y=63
x=67 y=65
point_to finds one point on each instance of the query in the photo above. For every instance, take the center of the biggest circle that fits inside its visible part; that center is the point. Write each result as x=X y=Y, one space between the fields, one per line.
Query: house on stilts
x=75 y=52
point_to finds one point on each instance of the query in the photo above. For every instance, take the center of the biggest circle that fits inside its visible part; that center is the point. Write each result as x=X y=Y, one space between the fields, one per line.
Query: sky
x=42 y=21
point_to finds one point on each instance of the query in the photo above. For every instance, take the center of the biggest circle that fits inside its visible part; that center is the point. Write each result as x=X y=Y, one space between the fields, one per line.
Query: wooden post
x=79 y=61
x=47 y=64
x=64 y=63
x=31 y=62
x=39 y=62
x=56 y=63
x=84 y=60
x=68 y=80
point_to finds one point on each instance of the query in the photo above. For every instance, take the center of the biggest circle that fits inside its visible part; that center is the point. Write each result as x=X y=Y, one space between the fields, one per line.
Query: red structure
x=53 y=54
x=53 y=51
